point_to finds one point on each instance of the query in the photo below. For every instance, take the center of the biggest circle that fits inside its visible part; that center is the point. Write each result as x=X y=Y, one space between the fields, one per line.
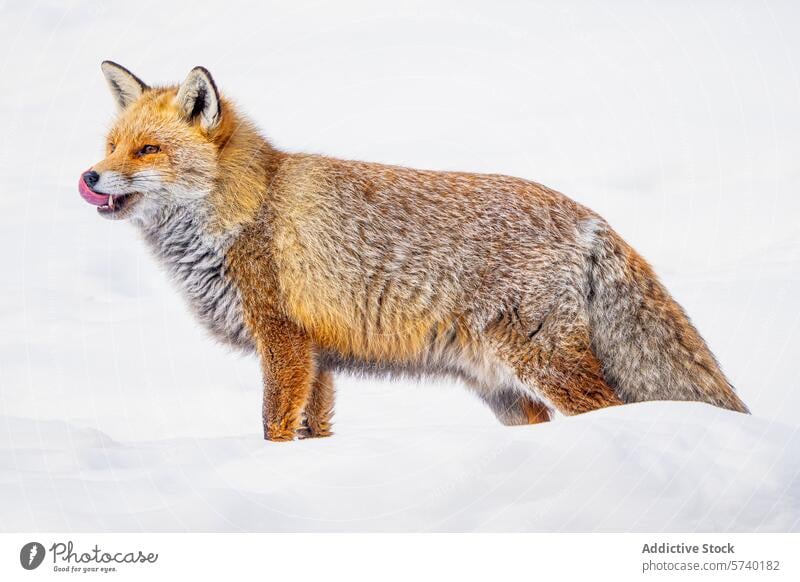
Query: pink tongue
x=90 y=196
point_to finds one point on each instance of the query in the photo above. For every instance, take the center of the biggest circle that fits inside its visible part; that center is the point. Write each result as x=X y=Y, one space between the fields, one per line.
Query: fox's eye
x=149 y=149
x=111 y=147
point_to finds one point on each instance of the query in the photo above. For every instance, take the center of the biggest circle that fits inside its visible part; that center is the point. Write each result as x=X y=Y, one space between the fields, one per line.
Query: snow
x=676 y=121
x=651 y=467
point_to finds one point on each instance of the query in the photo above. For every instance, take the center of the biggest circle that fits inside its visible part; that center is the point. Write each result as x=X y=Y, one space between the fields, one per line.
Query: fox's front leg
x=319 y=408
x=287 y=361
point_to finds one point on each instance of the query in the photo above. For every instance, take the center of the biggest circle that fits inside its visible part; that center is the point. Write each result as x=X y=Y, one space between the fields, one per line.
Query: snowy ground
x=654 y=467
x=677 y=122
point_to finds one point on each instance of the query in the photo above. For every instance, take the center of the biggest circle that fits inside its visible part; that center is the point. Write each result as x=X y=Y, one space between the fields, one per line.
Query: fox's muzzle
x=85 y=184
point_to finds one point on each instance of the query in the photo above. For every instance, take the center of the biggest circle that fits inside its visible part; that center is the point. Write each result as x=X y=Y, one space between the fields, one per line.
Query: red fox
x=319 y=264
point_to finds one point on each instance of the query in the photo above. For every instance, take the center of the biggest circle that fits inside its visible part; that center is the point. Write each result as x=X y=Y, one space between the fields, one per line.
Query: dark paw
x=313 y=432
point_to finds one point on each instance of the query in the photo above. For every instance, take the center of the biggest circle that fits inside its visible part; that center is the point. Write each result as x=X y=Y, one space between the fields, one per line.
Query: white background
x=676 y=121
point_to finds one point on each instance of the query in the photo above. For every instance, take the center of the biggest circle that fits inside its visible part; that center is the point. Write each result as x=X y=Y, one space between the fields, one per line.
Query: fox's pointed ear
x=199 y=99
x=125 y=86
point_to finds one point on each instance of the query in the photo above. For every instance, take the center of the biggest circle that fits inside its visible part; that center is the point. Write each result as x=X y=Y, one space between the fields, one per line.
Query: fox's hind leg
x=319 y=408
x=570 y=378
x=512 y=407
x=553 y=357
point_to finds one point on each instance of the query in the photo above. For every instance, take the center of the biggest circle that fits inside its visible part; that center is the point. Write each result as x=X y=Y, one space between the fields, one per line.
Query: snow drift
x=644 y=467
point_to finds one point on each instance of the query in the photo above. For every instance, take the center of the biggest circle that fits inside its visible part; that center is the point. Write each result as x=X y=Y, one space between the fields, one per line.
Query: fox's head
x=162 y=149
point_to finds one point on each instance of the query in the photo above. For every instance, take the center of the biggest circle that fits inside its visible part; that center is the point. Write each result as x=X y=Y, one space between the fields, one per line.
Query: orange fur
x=320 y=264
x=319 y=408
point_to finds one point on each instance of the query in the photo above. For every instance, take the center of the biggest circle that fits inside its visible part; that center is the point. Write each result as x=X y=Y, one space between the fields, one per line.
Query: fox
x=320 y=265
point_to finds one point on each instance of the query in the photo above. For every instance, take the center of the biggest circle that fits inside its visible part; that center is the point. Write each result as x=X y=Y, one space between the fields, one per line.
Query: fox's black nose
x=91 y=177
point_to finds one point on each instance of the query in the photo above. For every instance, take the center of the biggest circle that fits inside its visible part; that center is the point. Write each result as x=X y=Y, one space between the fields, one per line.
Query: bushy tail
x=648 y=347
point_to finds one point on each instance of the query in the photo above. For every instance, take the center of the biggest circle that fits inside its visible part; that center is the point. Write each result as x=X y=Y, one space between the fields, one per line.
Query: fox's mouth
x=108 y=205
x=118 y=205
